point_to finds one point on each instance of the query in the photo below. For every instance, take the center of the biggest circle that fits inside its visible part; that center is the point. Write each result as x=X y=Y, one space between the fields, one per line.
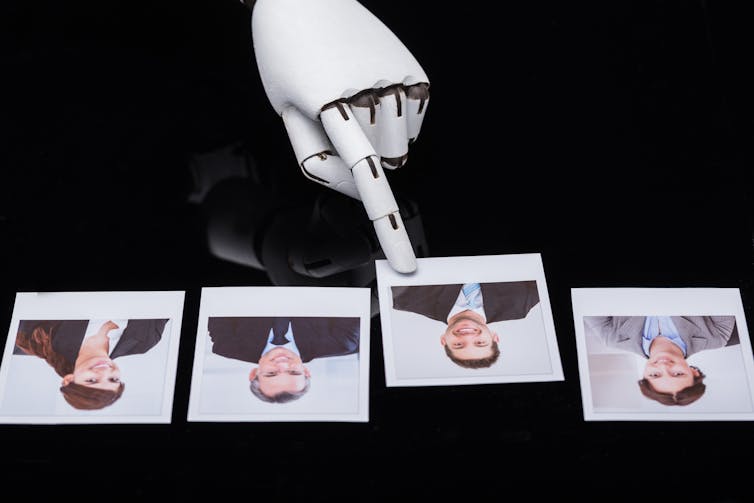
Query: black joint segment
x=310 y=176
x=395 y=162
x=366 y=99
x=394 y=90
x=419 y=92
x=393 y=221
x=375 y=173
x=339 y=105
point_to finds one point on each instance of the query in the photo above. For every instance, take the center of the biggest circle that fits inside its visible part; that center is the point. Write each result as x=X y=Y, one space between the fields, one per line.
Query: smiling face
x=468 y=337
x=667 y=372
x=280 y=370
x=97 y=372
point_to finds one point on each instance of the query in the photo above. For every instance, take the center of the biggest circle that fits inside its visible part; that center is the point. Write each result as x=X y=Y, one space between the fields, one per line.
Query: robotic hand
x=251 y=218
x=352 y=99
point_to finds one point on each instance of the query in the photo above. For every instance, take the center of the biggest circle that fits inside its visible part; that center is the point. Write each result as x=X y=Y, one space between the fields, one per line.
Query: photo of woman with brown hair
x=91 y=357
x=83 y=354
x=664 y=354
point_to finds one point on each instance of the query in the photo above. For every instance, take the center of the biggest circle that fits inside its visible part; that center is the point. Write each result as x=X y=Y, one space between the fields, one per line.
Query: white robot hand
x=352 y=99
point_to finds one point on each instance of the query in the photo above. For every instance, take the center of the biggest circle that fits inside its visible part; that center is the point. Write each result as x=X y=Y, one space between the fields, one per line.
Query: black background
x=612 y=137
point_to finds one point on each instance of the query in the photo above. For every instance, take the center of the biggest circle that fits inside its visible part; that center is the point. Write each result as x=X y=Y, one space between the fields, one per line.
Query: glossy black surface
x=612 y=137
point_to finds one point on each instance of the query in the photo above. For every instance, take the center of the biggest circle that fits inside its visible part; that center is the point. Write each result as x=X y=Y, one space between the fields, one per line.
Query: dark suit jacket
x=502 y=301
x=245 y=338
x=138 y=337
x=698 y=332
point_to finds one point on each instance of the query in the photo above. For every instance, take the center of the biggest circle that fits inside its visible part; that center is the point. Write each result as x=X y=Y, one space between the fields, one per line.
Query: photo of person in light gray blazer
x=666 y=342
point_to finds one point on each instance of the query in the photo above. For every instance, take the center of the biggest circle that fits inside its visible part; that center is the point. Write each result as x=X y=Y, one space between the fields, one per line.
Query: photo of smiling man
x=274 y=354
x=483 y=319
x=467 y=309
x=280 y=346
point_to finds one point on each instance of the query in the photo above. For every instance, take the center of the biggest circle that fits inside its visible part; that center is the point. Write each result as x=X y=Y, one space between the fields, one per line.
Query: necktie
x=279 y=328
x=472 y=292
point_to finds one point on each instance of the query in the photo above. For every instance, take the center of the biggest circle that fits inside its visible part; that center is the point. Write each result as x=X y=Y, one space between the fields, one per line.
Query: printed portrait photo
x=663 y=354
x=282 y=354
x=91 y=357
x=468 y=320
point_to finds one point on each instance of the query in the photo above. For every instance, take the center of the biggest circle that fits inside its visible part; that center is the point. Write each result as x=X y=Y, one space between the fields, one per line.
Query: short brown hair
x=685 y=396
x=476 y=363
x=86 y=398
x=285 y=396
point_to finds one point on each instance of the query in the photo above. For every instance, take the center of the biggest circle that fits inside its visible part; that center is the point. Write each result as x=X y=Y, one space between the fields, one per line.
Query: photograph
x=654 y=354
x=91 y=357
x=287 y=143
x=468 y=320
x=281 y=354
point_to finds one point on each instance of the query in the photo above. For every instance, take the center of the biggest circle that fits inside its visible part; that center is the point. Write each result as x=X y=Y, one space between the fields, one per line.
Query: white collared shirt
x=655 y=326
x=291 y=345
x=114 y=335
x=460 y=305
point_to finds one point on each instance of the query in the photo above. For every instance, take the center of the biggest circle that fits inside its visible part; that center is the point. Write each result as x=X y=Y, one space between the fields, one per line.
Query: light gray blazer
x=698 y=332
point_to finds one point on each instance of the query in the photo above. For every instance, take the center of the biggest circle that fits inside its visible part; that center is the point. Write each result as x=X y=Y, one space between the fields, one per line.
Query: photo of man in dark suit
x=280 y=346
x=467 y=309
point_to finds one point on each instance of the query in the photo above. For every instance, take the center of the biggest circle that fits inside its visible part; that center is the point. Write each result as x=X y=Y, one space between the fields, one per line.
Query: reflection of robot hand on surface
x=252 y=219
x=352 y=98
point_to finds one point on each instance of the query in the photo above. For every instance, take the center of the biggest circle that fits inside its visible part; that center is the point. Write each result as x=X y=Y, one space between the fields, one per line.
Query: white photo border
x=93 y=305
x=272 y=301
x=631 y=301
